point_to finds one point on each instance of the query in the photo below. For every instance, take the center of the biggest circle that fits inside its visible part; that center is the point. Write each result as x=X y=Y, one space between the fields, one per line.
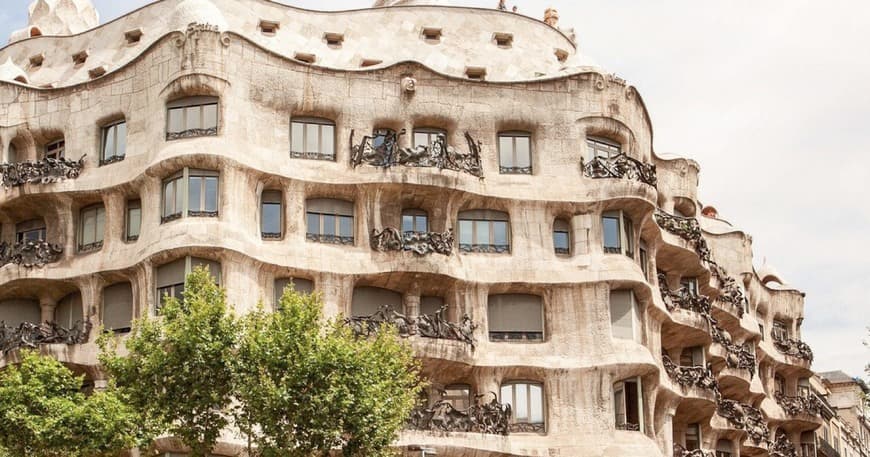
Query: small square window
x=305 y=57
x=476 y=73
x=36 y=61
x=80 y=58
x=432 y=34
x=370 y=62
x=503 y=40
x=96 y=72
x=334 y=40
x=269 y=28
x=133 y=36
x=561 y=55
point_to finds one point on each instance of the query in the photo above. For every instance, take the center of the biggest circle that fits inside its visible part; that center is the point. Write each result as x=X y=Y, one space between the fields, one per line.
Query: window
x=624 y=315
x=627 y=407
x=114 y=141
x=305 y=57
x=779 y=385
x=476 y=73
x=201 y=189
x=431 y=34
x=605 y=149
x=804 y=389
x=428 y=137
x=172 y=276
x=515 y=153
x=808 y=444
x=415 y=221
x=644 y=260
x=458 y=395
x=333 y=39
x=618 y=233
x=779 y=331
x=11 y=154
x=118 y=307
x=562 y=236
x=515 y=317
x=269 y=28
x=527 y=405
x=134 y=220
x=329 y=221
x=724 y=448
x=92 y=226
x=271 y=215
x=15 y=311
x=192 y=117
x=312 y=138
x=69 y=311
x=300 y=285
x=369 y=300
x=80 y=57
x=54 y=150
x=133 y=36
x=693 y=437
x=33 y=230
x=692 y=357
x=502 y=39
x=430 y=305
x=484 y=231
x=690 y=284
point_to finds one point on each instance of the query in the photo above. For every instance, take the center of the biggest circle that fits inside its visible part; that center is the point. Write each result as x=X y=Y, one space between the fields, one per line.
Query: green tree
x=178 y=370
x=305 y=386
x=43 y=413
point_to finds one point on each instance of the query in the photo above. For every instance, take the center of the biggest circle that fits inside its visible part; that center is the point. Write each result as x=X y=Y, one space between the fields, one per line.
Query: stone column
x=46 y=308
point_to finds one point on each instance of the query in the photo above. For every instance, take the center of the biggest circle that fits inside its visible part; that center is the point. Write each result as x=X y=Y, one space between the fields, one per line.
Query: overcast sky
x=772 y=98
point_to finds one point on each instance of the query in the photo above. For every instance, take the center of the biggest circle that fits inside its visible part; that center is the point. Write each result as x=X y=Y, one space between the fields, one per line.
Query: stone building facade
x=458 y=171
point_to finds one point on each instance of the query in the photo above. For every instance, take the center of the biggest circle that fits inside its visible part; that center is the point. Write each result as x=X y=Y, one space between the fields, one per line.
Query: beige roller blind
x=214 y=268
x=515 y=313
x=118 y=306
x=18 y=310
x=171 y=273
x=430 y=304
x=484 y=215
x=329 y=206
x=367 y=300
x=69 y=310
x=300 y=285
x=622 y=314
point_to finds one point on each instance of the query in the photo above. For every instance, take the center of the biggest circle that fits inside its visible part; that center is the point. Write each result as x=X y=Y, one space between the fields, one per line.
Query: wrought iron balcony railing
x=628 y=426
x=826 y=450
x=30 y=335
x=793 y=348
x=45 y=171
x=737 y=356
x=683 y=298
x=483 y=417
x=799 y=405
x=426 y=325
x=781 y=446
x=439 y=154
x=620 y=166
x=697 y=376
x=744 y=417
x=191 y=133
x=485 y=248
x=329 y=239
x=680 y=451
x=420 y=243
x=30 y=254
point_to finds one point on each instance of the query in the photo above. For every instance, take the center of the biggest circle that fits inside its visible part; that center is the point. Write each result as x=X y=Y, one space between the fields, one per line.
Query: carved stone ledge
x=330 y=239
x=680 y=451
x=799 y=405
x=491 y=417
x=439 y=155
x=794 y=348
x=191 y=133
x=620 y=166
x=30 y=335
x=45 y=171
x=426 y=325
x=30 y=254
x=485 y=248
x=420 y=243
x=744 y=417
x=692 y=376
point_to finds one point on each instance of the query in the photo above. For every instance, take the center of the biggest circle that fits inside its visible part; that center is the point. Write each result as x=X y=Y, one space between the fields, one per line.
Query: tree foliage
x=44 y=413
x=305 y=386
x=178 y=370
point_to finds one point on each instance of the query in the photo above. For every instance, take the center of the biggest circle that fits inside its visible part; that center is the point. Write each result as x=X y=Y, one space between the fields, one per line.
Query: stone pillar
x=46 y=308
x=411 y=301
x=581 y=227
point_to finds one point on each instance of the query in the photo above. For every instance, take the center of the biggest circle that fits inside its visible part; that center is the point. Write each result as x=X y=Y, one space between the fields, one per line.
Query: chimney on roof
x=551 y=17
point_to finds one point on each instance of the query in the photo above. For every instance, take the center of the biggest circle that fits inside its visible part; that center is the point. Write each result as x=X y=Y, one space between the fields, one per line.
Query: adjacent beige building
x=461 y=172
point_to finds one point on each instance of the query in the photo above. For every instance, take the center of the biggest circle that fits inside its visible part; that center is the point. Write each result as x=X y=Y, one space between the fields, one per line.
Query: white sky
x=772 y=98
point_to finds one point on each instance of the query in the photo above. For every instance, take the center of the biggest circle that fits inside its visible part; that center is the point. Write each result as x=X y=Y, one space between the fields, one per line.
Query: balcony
x=30 y=335
x=427 y=325
x=491 y=418
x=620 y=166
x=45 y=171
x=383 y=151
x=192 y=133
x=29 y=253
x=738 y=356
x=781 y=446
x=799 y=405
x=826 y=450
x=691 y=376
x=793 y=348
x=744 y=417
x=683 y=298
x=680 y=451
x=420 y=243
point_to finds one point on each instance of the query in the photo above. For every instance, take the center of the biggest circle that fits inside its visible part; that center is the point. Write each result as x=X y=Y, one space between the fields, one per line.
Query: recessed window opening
x=133 y=220
x=133 y=36
x=312 y=138
x=30 y=231
x=624 y=315
x=329 y=221
x=55 y=150
x=415 y=221
x=603 y=148
x=562 y=236
x=503 y=40
x=628 y=409
x=170 y=277
x=561 y=55
x=333 y=40
x=431 y=34
x=80 y=57
x=477 y=73
x=114 y=143
x=367 y=301
x=370 y=62
x=192 y=192
x=96 y=72
x=458 y=395
x=515 y=318
x=118 y=307
x=484 y=231
x=36 y=61
x=618 y=233
x=305 y=57
x=269 y=28
x=301 y=285
x=693 y=437
x=271 y=214
x=192 y=117
x=427 y=137
x=515 y=153
x=527 y=405
x=690 y=284
x=92 y=226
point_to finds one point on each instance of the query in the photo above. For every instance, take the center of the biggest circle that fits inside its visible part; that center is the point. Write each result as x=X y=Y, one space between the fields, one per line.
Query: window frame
x=337 y=237
x=526 y=424
x=38 y=226
x=181 y=194
x=514 y=169
x=103 y=303
x=779 y=330
x=565 y=251
x=625 y=233
x=643 y=259
x=132 y=204
x=112 y=129
x=415 y=215
x=272 y=197
x=623 y=387
x=695 y=429
x=604 y=148
x=185 y=103
x=466 y=398
x=490 y=217
x=98 y=242
x=320 y=122
x=431 y=134
x=636 y=321
x=204 y=176
x=57 y=148
x=512 y=336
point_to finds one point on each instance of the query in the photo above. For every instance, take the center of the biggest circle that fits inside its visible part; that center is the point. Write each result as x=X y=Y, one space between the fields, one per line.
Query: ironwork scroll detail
x=782 y=446
x=628 y=426
x=30 y=254
x=799 y=405
x=692 y=376
x=483 y=417
x=683 y=298
x=738 y=356
x=439 y=155
x=45 y=171
x=426 y=325
x=794 y=348
x=620 y=166
x=744 y=417
x=420 y=243
x=30 y=335
x=680 y=451
x=329 y=239
x=191 y=133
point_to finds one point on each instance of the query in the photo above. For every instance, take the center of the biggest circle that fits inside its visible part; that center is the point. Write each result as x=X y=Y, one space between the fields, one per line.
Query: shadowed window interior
x=693 y=437
x=515 y=317
x=602 y=147
x=627 y=406
x=15 y=311
x=724 y=448
x=562 y=236
x=118 y=307
x=55 y=150
x=32 y=230
x=617 y=233
x=368 y=300
x=458 y=395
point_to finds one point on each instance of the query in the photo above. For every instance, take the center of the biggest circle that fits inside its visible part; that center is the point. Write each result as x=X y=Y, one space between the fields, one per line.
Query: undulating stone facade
x=458 y=172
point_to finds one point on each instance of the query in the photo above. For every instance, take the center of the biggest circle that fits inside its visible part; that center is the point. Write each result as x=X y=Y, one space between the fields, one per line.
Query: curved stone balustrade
x=491 y=417
x=744 y=417
x=683 y=298
x=620 y=166
x=799 y=405
x=30 y=254
x=439 y=155
x=691 y=376
x=680 y=451
x=30 y=335
x=45 y=171
x=794 y=348
x=426 y=325
x=782 y=446
x=420 y=243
